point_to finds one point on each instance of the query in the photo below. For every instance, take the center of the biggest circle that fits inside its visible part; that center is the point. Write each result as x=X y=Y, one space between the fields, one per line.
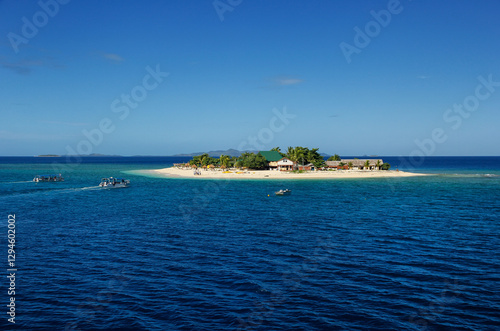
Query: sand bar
x=273 y=174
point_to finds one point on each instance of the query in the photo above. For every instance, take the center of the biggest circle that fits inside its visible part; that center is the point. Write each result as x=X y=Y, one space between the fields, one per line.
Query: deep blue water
x=177 y=254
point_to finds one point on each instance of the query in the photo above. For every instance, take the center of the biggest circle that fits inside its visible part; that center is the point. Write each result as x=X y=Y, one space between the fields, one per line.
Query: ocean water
x=178 y=254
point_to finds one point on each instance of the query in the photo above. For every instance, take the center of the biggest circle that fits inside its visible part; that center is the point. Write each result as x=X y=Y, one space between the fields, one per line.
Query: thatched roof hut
x=356 y=163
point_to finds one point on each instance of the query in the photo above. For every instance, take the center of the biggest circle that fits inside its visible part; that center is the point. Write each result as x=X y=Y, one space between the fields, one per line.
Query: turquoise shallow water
x=179 y=254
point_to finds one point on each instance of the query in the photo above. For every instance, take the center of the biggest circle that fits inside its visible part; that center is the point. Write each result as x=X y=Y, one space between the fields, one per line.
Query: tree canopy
x=300 y=155
x=304 y=155
x=252 y=161
x=335 y=157
x=277 y=149
x=385 y=166
x=206 y=160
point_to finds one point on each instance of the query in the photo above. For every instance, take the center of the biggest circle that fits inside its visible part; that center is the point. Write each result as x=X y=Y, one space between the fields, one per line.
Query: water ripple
x=332 y=256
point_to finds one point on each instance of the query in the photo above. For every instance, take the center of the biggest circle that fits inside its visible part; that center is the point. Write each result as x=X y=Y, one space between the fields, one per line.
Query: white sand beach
x=273 y=174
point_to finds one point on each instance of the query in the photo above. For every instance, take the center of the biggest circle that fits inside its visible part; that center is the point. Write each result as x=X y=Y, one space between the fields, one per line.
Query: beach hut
x=285 y=164
x=306 y=167
x=272 y=158
x=357 y=164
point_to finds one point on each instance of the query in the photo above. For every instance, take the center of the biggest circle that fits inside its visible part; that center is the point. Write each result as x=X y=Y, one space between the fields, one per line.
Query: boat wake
x=79 y=189
x=37 y=192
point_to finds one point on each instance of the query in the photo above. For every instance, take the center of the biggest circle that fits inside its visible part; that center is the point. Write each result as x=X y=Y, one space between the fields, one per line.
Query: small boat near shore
x=112 y=182
x=283 y=192
x=48 y=178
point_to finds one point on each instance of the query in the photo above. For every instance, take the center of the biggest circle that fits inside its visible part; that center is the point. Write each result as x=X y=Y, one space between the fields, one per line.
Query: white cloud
x=112 y=57
x=283 y=81
x=24 y=67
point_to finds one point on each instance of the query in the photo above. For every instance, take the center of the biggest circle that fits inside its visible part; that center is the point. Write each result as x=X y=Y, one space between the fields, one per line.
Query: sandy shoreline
x=271 y=174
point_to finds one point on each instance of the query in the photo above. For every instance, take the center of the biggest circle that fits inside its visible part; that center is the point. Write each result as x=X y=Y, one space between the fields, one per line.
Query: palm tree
x=367 y=164
x=291 y=154
x=277 y=149
x=335 y=157
x=350 y=165
x=378 y=164
x=203 y=159
x=300 y=156
x=224 y=160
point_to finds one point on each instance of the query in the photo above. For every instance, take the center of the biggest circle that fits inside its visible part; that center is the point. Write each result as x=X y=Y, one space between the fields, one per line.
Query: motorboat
x=48 y=178
x=112 y=182
x=284 y=192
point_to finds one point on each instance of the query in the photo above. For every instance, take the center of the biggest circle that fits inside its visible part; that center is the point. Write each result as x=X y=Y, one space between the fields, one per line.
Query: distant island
x=215 y=153
x=100 y=155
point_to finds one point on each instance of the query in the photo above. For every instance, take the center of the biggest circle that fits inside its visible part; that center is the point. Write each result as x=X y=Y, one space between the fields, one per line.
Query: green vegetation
x=335 y=157
x=246 y=160
x=385 y=166
x=224 y=161
x=252 y=161
x=304 y=155
x=204 y=160
x=299 y=155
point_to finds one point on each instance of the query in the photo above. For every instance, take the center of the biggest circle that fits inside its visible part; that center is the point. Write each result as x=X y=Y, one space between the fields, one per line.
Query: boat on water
x=283 y=192
x=48 y=178
x=114 y=182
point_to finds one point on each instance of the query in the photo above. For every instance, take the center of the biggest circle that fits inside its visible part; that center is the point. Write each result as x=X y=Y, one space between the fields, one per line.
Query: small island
x=297 y=162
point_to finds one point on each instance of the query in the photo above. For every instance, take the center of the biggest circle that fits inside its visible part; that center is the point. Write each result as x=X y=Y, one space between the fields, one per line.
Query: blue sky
x=224 y=72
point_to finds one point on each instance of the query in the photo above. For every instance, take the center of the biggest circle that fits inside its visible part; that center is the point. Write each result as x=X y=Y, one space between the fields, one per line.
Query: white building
x=285 y=164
